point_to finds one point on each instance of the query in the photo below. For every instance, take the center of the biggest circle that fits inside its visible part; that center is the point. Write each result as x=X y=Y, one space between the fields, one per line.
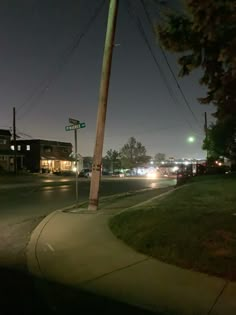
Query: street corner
x=54 y=239
x=73 y=248
x=31 y=249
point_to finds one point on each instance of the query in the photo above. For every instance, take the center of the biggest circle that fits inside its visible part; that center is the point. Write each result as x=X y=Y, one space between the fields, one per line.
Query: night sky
x=48 y=79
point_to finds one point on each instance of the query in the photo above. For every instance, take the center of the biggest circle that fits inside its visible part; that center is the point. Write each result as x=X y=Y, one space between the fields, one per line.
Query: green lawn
x=193 y=227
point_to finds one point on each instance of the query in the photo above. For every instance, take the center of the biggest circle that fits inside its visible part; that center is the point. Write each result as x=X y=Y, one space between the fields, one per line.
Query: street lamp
x=191 y=139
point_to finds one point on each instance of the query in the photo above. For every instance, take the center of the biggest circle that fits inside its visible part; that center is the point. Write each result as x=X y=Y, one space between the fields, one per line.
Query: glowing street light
x=191 y=139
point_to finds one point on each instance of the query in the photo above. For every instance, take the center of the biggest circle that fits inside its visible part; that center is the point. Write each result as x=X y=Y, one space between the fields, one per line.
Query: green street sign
x=82 y=125
x=73 y=127
x=74 y=121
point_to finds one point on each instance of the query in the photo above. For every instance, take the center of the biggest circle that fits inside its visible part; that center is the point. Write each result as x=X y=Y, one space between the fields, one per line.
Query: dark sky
x=48 y=84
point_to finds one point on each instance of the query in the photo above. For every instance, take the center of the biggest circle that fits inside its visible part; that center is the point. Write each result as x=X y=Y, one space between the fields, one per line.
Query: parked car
x=85 y=172
x=118 y=174
x=64 y=173
x=105 y=173
x=130 y=173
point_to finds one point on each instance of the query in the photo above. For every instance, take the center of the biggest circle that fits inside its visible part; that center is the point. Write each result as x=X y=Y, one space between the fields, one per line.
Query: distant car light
x=151 y=175
x=175 y=168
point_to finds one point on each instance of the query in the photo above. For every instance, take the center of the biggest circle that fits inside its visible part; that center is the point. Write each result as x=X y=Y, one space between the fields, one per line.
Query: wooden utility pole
x=206 y=130
x=14 y=140
x=102 y=105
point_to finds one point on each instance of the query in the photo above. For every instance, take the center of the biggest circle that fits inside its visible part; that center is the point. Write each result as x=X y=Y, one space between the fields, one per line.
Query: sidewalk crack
x=113 y=271
x=218 y=297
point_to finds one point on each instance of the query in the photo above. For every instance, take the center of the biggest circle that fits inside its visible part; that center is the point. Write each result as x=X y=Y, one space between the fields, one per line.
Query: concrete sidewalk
x=78 y=249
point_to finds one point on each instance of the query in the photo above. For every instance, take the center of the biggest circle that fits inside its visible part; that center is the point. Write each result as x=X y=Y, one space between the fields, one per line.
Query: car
x=128 y=173
x=118 y=174
x=64 y=173
x=85 y=172
x=105 y=173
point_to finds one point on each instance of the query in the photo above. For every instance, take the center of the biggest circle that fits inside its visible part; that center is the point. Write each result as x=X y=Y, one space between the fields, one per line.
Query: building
x=7 y=155
x=47 y=156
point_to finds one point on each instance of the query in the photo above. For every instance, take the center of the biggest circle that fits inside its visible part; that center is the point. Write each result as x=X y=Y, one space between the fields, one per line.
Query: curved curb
x=31 y=249
x=100 y=263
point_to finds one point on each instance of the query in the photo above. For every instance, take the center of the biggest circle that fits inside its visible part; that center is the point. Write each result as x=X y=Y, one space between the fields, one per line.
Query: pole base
x=93 y=205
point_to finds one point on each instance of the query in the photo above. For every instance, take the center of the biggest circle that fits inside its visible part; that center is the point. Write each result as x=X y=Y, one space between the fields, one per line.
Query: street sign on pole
x=76 y=170
x=73 y=127
x=76 y=124
x=82 y=125
x=74 y=121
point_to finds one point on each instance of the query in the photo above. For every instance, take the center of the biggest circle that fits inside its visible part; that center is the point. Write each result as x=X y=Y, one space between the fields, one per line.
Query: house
x=46 y=156
x=7 y=155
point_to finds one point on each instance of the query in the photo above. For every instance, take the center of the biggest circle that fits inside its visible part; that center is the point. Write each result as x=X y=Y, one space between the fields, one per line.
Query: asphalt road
x=23 y=204
x=37 y=198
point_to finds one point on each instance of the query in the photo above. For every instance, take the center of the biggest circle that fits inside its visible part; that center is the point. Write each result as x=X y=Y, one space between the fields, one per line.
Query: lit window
x=18 y=147
x=27 y=147
x=12 y=147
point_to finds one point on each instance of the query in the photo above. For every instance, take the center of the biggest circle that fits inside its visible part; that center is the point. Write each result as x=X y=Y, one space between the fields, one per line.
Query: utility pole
x=102 y=105
x=14 y=140
x=206 y=131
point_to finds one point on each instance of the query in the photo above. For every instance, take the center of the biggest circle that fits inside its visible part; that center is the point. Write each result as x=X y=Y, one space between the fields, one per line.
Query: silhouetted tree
x=113 y=159
x=204 y=36
x=159 y=157
x=133 y=154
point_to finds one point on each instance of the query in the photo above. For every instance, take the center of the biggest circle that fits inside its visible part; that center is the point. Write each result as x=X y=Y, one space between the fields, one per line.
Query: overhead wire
x=166 y=82
x=170 y=68
x=23 y=134
x=46 y=83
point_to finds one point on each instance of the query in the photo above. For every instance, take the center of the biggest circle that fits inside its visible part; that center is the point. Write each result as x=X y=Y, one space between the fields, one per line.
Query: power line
x=23 y=134
x=158 y=4
x=169 y=66
x=143 y=34
x=157 y=8
x=44 y=84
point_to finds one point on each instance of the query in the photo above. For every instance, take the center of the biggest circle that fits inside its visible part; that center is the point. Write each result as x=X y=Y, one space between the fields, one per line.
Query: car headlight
x=151 y=175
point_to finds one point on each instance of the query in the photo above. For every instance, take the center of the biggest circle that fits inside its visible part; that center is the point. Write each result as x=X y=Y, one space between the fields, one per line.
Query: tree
x=159 y=157
x=113 y=159
x=133 y=154
x=221 y=140
x=205 y=37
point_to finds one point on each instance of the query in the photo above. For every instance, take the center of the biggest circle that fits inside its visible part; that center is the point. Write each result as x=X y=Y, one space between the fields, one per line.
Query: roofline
x=42 y=140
